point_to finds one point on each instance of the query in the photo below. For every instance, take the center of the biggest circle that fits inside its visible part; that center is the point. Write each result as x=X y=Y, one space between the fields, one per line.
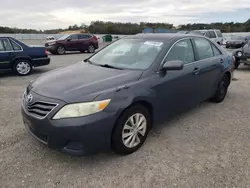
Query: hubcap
x=134 y=130
x=23 y=68
x=91 y=49
x=60 y=50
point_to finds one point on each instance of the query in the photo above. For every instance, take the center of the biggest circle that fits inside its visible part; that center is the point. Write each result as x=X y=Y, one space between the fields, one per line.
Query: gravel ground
x=205 y=147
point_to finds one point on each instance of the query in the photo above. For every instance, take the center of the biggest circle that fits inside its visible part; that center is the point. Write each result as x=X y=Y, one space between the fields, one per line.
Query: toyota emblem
x=29 y=98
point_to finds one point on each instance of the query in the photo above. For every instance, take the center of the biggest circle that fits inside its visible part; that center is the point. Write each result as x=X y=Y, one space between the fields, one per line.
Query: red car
x=73 y=42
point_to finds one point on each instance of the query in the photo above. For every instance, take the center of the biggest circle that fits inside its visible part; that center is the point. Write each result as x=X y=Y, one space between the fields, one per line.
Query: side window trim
x=17 y=45
x=179 y=40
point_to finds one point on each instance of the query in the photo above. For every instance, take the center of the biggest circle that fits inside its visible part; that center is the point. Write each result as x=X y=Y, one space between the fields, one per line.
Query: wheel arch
x=20 y=58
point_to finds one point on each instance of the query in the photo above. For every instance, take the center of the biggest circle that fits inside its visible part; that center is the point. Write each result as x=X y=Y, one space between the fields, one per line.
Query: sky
x=49 y=14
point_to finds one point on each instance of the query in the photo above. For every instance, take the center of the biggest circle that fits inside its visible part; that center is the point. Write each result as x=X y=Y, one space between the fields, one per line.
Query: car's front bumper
x=74 y=136
x=41 y=61
x=51 y=48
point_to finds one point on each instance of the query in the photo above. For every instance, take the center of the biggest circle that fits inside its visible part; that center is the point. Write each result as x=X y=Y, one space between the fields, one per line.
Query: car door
x=84 y=41
x=210 y=61
x=72 y=43
x=177 y=89
x=246 y=49
x=6 y=53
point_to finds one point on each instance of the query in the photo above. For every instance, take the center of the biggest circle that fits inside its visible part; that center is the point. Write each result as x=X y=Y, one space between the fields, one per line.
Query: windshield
x=238 y=38
x=128 y=54
x=63 y=37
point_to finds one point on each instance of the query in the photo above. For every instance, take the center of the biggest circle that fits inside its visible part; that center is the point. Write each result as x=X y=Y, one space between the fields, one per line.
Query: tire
x=119 y=138
x=236 y=65
x=60 y=50
x=91 y=49
x=22 y=67
x=221 y=90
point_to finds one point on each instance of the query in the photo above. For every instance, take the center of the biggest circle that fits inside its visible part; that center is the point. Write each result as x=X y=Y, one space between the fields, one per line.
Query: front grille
x=40 y=109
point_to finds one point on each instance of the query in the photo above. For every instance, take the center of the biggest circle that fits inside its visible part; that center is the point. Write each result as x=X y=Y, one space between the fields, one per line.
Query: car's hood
x=82 y=81
x=53 y=41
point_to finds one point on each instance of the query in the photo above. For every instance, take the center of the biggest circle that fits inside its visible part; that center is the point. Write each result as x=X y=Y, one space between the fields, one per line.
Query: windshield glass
x=63 y=37
x=238 y=38
x=128 y=54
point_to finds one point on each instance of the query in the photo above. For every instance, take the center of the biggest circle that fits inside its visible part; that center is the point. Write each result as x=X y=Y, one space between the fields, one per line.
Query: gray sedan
x=113 y=99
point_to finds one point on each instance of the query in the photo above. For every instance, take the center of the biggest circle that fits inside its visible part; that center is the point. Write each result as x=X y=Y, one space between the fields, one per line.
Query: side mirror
x=69 y=39
x=173 y=65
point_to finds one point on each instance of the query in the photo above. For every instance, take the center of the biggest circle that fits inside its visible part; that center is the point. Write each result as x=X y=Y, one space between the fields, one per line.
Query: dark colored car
x=20 y=57
x=115 y=97
x=243 y=55
x=74 y=42
x=236 y=42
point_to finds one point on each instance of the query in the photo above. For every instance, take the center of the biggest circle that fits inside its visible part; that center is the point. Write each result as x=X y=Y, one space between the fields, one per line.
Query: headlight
x=81 y=109
x=51 y=44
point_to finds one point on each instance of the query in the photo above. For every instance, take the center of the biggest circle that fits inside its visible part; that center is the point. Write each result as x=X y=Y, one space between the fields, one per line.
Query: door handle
x=196 y=71
x=221 y=61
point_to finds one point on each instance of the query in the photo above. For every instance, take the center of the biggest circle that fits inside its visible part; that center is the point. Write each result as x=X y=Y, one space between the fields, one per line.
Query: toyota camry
x=112 y=99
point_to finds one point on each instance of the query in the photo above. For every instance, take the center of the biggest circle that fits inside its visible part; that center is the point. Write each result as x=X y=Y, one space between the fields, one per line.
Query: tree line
x=101 y=27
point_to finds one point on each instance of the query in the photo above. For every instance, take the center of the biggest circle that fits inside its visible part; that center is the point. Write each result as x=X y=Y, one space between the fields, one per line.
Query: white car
x=50 y=38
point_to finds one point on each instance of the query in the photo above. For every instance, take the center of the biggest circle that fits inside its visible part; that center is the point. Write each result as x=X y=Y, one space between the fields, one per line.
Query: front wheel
x=61 y=50
x=131 y=130
x=22 y=67
x=221 y=91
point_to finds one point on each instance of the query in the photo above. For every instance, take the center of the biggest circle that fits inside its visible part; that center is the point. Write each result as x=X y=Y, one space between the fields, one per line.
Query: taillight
x=95 y=37
x=46 y=52
x=234 y=59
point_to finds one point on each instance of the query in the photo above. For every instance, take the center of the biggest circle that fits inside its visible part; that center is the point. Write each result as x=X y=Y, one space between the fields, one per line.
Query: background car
x=236 y=42
x=116 y=96
x=20 y=57
x=50 y=38
x=213 y=34
x=74 y=42
x=243 y=55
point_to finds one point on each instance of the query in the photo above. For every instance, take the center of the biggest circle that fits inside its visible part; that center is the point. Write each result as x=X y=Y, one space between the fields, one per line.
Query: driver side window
x=183 y=51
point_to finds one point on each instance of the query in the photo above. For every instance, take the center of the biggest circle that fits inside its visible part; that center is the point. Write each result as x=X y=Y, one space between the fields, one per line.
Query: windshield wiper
x=110 y=66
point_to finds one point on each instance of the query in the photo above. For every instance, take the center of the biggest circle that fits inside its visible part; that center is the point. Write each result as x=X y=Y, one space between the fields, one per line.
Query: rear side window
x=204 y=48
x=219 y=34
x=84 y=36
x=207 y=34
x=183 y=51
x=212 y=34
x=1 y=46
x=15 y=46
x=215 y=50
x=7 y=45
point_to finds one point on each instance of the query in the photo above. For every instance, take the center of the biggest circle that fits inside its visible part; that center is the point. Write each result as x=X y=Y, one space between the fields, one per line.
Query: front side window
x=6 y=45
x=212 y=34
x=129 y=54
x=219 y=34
x=15 y=46
x=182 y=51
x=204 y=48
x=74 y=37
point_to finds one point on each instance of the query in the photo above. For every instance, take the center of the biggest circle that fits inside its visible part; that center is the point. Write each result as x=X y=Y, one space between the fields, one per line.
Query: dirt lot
x=205 y=147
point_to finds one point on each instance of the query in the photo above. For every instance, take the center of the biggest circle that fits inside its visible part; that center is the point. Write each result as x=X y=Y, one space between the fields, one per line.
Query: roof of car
x=158 y=36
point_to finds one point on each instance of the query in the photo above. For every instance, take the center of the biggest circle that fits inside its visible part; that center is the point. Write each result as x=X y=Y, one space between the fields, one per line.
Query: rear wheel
x=131 y=130
x=221 y=91
x=22 y=67
x=91 y=49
